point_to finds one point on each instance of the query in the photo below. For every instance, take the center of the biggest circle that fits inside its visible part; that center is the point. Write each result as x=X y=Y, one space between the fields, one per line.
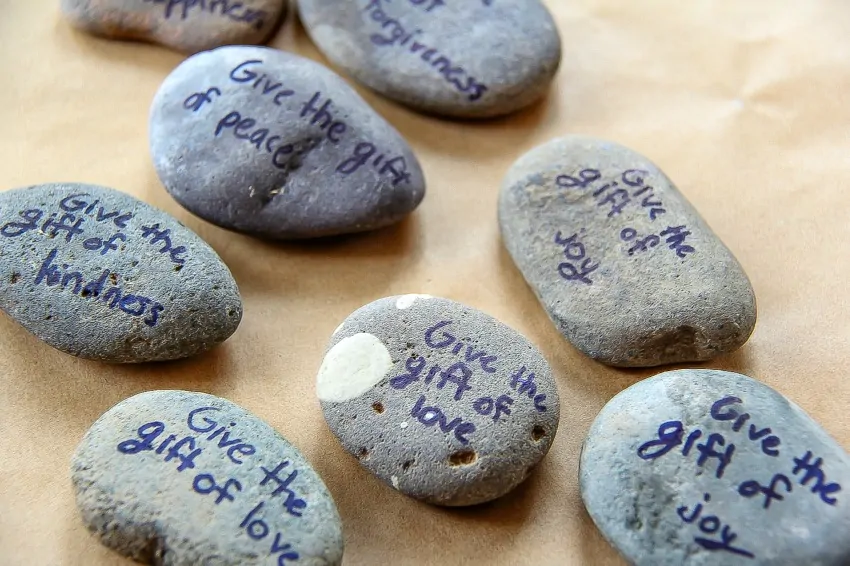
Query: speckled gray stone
x=461 y=58
x=100 y=275
x=441 y=401
x=625 y=267
x=676 y=471
x=185 y=25
x=179 y=478
x=275 y=145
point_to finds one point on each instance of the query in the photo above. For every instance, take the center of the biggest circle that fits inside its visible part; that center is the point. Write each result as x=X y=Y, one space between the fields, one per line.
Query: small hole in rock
x=463 y=458
x=15 y=278
x=406 y=465
x=378 y=407
x=537 y=433
x=178 y=267
x=113 y=278
x=362 y=453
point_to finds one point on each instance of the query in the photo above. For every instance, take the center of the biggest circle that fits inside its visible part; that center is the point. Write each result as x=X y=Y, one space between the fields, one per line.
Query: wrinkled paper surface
x=743 y=104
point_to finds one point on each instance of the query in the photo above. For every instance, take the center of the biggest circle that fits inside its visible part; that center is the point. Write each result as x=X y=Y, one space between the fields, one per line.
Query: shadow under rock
x=512 y=509
x=76 y=390
x=593 y=546
x=367 y=261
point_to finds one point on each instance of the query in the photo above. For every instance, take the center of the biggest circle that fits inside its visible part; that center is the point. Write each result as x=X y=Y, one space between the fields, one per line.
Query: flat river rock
x=439 y=400
x=177 y=478
x=461 y=58
x=626 y=268
x=184 y=25
x=100 y=275
x=274 y=145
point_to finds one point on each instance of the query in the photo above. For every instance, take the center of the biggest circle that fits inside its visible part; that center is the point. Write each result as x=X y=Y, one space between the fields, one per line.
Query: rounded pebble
x=100 y=275
x=625 y=267
x=439 y=400
x=713 y=468
x=184 y=25
x=467 y=59
x=275 y=145
x=174 y=478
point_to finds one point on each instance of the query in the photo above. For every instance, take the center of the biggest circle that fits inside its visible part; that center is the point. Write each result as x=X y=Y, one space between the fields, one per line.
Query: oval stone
x=100 y=275
x=625 y=267
x=462 y=58
x=184 y=25
x=175 y=477
x=441 y=401
x=713 y=468
x=272 y=144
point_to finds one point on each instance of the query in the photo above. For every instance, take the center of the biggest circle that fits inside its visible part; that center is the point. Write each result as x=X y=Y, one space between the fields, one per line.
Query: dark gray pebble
x=275 y=145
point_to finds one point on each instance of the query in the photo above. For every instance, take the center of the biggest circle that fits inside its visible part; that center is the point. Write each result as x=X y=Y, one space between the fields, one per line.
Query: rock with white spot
x=625 y=267
x=274 y=145
x=439 y=400
x=712 y=468
x=185 y=25
x=100 y=275
x=462 y=58
x=180 y=478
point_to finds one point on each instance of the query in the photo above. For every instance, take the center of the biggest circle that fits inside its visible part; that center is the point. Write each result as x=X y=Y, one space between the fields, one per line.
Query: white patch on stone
x=394 y=481
x=403 y=425
x=338 y=328
x=352 y=367
x=406 y=301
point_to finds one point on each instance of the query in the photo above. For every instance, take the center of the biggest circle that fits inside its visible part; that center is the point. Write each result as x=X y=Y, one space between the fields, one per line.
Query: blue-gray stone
x=461 y=58
x=714 y=468
x=180 y=478
x=271 y=144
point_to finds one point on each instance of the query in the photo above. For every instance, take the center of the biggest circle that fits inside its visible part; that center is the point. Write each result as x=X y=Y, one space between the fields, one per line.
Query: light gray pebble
x=461 y=58
x=439 y=400
x=100 y=275
x=184 y=25
x=625 y=267
x=275 y=145
x=180 y=478
x=712 y=468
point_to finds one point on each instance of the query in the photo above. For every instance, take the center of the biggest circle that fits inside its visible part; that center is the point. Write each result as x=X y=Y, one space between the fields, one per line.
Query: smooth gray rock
x=185 y=25
x=100 y=275
x=179 y=478
x=712 y=468
x=439 y=400
x=461 y=58
x=275 y=145
x=625 y=267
